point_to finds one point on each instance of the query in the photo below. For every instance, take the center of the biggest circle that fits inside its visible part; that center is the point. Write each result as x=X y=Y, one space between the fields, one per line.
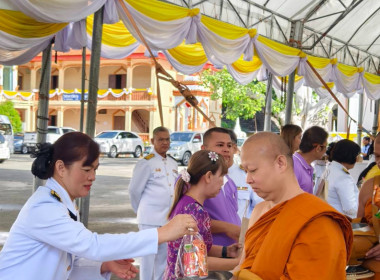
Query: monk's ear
x=281 y=162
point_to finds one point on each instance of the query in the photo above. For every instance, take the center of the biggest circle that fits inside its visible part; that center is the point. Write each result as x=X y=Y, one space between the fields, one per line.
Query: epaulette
x=55 y=195
x=148 y=157
x=345 y=170
x=169 y=155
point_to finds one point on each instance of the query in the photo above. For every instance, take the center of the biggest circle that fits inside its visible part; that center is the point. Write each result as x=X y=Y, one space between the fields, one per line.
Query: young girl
x=202 y=180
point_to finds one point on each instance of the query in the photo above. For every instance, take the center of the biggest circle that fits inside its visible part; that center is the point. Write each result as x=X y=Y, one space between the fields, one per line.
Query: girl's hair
x=199 y=164
x=288 y=133
x=70 y=147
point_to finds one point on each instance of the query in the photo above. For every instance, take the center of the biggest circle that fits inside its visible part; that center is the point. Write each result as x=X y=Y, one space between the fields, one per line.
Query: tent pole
x=289 y=98
x=92 y=95
x=375 y=118
x=295 y=40
x=268 y=104
x=83 y=88
x=43 y=104
x=360 y=119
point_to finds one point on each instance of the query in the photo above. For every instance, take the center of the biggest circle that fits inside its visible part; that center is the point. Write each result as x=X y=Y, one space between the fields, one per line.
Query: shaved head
x=270 y=145
x=268 y=161
x=377 y=139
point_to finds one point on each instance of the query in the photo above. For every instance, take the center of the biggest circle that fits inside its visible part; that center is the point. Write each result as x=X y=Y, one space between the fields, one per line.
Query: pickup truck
x=54 y=132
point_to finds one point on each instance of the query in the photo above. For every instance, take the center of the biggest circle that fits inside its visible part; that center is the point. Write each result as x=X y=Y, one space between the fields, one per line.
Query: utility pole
x=83 y=88
x=43 y=104
x=92 y=95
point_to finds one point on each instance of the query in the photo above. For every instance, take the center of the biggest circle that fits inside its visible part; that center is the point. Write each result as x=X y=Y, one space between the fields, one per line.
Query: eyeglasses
x=322 y=146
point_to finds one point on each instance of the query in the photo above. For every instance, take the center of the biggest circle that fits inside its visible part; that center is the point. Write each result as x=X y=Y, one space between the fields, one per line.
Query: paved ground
x=110 y=210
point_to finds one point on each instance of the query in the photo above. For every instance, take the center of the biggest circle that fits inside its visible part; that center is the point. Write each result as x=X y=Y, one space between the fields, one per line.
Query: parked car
x=148 y=150
x=54 y=132
x=115 y=142
x=4 y=149
x=184 y=144
x=18 y=144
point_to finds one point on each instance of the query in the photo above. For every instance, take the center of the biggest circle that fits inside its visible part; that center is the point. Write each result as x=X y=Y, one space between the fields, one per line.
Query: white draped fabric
x=57 y=10
x=226 y=46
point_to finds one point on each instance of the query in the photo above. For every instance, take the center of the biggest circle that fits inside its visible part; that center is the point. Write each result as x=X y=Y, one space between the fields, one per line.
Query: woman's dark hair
x=312 y=136
x=329 y=150
x=288 y=133
x=70 y=147
x=199 y=164
x=345 y=151
x=365 y=172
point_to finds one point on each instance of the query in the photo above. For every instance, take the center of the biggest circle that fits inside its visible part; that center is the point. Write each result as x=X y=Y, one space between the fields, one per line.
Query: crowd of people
x=290 y=203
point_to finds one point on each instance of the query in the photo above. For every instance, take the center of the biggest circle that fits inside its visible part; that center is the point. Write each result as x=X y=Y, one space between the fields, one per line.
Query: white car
x=115 y=142
x=4 y=149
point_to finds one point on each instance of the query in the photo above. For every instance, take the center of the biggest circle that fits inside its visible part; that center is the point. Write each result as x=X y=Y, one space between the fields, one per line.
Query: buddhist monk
x=365 y=213
x=292 y=234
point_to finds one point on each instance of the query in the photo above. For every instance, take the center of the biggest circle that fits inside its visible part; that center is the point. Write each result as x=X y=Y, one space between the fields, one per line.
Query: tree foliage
x=7 y=109
x=238 y=100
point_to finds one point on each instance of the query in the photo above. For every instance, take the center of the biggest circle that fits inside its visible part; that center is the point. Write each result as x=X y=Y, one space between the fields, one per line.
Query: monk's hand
x=123 y=269
x=233 y=231
x=176 y=228
x=234 y=250
x=374 y=253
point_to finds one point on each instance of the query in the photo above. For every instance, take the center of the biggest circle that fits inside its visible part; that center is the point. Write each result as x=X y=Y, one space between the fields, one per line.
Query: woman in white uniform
x=342 y=190
x=47 y=241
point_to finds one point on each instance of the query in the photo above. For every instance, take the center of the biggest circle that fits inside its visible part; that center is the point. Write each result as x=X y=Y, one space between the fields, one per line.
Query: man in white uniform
x=151 y=191
x=247 y=198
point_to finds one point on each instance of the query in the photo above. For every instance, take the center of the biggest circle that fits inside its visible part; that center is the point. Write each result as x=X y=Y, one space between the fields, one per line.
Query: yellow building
x=127 y=98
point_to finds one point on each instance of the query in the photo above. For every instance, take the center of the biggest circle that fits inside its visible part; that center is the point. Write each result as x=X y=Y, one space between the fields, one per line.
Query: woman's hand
x=234 y=250
x=176 y=228
x=121 y=268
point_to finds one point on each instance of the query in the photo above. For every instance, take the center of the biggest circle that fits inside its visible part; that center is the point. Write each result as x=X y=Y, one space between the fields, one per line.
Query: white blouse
x=46 y=244
x=343 y=194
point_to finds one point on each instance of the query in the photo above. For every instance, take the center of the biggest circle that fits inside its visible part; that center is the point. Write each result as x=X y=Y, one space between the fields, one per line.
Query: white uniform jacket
x=151 y=189
x=247 y=198
x=45 y=243
x=343 y=194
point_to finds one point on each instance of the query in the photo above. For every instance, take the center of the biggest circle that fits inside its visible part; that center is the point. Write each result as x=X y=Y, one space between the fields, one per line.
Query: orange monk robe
x=371 y=264
x=302 y=238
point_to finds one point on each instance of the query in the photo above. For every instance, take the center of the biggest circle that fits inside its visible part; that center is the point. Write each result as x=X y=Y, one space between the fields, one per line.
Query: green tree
x=238 y=100
x=7 y=109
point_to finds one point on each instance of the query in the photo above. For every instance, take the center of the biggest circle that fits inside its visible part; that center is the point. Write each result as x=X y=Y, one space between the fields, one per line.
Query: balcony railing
x=75 y=95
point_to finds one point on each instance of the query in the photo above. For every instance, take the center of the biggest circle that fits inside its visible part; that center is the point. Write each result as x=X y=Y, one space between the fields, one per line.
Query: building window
x=19 y=82
x=117 y=81
x=52 y=120
x=54 y=82
x=102 y=112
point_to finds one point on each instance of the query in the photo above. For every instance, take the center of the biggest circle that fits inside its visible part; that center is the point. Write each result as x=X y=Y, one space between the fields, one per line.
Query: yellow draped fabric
x=20 y=25
x=193 y=55
x=224 y=29
x=161 y=11
x=114 y=35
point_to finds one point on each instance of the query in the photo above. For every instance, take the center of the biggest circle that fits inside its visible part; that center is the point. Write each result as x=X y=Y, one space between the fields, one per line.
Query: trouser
x=152 y=267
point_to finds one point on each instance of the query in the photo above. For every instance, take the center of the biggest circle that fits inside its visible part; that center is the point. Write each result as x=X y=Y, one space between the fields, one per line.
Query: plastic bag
x=192 y=258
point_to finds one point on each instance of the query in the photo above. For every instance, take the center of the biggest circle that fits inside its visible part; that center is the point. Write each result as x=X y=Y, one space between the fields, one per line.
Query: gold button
x=68 y=268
